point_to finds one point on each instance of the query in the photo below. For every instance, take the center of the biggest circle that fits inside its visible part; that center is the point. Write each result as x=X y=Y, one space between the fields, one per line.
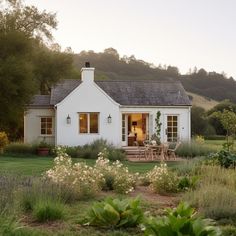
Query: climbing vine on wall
x=158 y=125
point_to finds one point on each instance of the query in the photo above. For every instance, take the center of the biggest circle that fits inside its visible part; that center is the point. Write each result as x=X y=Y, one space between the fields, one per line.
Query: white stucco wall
x=87 y=97
x=183 y=113
x=32 y=125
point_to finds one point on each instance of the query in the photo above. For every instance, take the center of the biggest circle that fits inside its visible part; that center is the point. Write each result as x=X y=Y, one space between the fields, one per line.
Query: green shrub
x=224 y=157
x=163 y=180
x=9 y=184
x=37 y=190
x=91 y=151
x=48 y=210
x=180 y=221
x=214 y=201
x=215 y=196
x=116 y=213
x=116 y=154
x=117 y=177
x=9 y=227
x=22 y=148
x=188 y=167
x=215 y=137
x=188 y=182
x=193 y=149
x=72 y=151
x=229 y=230
x=83 y=179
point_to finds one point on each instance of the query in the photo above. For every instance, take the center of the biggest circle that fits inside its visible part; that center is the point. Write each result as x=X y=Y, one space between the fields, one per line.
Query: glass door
x=172 y=131
x=124 y=131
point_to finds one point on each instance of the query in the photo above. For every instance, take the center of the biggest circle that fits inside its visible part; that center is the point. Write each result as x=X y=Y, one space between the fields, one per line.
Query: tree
x=215 y=120
x=50 y=66
x=199 y=122
x=228 y=121
x=17 y=84
x=15 y=16
x=27 y=65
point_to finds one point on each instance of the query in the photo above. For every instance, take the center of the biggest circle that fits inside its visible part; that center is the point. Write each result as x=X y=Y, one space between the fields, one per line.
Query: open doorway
x=137 y=128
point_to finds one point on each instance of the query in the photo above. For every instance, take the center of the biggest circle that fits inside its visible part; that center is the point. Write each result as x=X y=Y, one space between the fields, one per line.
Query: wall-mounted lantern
x=68 y=120
x=109 y=119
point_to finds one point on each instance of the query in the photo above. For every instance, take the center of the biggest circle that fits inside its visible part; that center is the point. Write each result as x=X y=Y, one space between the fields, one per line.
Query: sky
x=182 y=33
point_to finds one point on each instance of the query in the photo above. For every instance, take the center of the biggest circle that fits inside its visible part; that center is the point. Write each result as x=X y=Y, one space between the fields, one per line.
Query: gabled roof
x=146 y=93
x=129 y=93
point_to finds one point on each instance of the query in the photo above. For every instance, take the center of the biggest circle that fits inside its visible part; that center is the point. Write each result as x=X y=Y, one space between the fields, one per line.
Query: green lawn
x=215 y=144
x=35 y=165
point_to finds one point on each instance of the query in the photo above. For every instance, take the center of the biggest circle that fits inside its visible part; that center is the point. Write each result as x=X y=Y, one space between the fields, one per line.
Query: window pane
x=49 y=130
x=83 y=123
x=93 y=123
x=43 y=131
x=174 y=118
x=43 y=119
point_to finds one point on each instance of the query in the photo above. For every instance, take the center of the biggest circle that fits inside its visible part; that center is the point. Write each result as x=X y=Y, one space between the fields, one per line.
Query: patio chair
x=171 y=151
x=142 y=151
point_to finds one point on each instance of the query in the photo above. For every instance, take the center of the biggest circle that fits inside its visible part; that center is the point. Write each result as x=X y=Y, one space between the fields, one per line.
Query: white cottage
x=78 y=112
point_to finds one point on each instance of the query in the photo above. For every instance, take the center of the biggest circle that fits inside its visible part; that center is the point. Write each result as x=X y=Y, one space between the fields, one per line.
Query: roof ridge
x=147 y=80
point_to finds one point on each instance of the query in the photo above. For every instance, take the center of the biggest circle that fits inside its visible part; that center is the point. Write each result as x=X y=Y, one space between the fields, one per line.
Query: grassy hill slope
x=200 y=101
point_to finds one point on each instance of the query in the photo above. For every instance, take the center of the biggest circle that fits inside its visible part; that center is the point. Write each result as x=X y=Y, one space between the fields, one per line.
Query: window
x=46 y=125
x=88 y=123
x=172 y=128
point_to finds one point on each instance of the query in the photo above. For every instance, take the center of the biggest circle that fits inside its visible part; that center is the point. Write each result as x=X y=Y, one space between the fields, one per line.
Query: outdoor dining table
x=157 y=150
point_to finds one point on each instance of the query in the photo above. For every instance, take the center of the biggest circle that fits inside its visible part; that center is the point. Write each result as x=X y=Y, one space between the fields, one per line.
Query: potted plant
x=43 y=148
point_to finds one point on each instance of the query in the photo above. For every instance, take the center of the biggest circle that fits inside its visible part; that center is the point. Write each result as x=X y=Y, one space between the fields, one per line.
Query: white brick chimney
x=87 y=73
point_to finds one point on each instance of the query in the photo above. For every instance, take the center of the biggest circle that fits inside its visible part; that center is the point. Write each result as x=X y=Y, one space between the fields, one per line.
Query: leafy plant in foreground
x=180 y=221
x=116 y=213
x=224 y=157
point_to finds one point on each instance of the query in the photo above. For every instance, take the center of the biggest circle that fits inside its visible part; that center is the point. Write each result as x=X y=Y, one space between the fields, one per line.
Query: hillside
x=109 y=65
x=200 y=101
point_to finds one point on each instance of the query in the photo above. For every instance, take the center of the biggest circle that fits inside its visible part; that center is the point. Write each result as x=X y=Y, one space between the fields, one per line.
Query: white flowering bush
x=117 y=176
x=162 y=179
x=83 y=179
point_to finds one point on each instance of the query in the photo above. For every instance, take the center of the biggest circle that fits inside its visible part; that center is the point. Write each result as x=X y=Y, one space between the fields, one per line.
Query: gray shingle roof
x=130 y=93
x=62 y=89
x=40 y=100
x=146 y=93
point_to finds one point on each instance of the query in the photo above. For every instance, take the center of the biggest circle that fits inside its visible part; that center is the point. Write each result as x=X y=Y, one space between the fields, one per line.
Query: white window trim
x=178 y=127
x=88 y=123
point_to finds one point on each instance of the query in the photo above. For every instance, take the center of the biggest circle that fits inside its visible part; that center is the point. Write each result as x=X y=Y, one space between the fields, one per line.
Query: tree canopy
x=27 y=64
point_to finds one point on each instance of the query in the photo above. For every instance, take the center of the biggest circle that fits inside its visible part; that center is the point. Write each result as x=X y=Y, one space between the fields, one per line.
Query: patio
x=152 y=153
